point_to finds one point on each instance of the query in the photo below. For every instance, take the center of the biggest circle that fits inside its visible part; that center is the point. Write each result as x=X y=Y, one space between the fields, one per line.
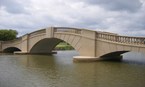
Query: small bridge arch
x=11 y=50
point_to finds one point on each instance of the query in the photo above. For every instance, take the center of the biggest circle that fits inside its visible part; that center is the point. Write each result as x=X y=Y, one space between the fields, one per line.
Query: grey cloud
x=117 y=5
x=134 y=22
x=133 y=25
x=91 y=23
x=136 y=25
x=12 y=6
x=113 y=18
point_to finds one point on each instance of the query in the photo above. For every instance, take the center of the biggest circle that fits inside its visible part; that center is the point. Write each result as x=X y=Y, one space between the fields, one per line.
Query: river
x=59 y=70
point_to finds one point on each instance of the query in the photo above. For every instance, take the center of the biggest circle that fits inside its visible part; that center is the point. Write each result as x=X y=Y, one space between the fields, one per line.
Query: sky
x=125 y=17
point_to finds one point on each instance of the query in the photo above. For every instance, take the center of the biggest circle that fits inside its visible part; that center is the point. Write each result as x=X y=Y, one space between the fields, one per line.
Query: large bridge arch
x=72 y=39
x=80 y=39
x=46 y=45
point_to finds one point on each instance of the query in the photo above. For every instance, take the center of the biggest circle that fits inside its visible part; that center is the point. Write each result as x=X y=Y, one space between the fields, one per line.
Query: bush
x=6 y=35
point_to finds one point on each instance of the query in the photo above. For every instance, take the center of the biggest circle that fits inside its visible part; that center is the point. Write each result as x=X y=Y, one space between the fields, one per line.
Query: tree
x=6 y=35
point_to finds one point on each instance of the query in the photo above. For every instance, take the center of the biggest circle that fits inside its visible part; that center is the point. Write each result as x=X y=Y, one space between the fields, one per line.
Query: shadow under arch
x=11 y=50
x=46 y=46
x=117 y=55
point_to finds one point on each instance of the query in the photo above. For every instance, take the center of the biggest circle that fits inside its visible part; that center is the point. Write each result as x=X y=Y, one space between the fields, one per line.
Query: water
x=60 y=71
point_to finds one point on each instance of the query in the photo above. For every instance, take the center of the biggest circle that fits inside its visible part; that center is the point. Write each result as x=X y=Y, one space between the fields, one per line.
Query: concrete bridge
x=91 y=45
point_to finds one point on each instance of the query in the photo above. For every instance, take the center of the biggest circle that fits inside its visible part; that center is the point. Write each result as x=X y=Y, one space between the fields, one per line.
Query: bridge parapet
x=37 y=33
x=121 y=39
x=67 y=30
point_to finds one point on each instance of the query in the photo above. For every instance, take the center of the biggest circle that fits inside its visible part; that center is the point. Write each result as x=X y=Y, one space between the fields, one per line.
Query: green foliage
x=6 y=35
x=63 y=46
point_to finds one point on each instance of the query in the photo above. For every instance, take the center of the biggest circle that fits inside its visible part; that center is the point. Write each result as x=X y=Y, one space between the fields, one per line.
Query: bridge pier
x=88 y=47
x=0 y=46
x=25 y=44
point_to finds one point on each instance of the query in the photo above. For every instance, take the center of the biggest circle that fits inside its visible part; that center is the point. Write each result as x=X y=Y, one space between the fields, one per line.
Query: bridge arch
x=46 y=45
x=11 y=50
x=117 y=55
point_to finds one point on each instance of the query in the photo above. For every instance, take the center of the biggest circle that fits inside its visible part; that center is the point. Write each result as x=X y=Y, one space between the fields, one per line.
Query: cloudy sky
x=126 y=17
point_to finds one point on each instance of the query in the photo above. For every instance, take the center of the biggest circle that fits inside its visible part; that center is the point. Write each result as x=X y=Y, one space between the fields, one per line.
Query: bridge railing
x=68 y=30
x=121 y=39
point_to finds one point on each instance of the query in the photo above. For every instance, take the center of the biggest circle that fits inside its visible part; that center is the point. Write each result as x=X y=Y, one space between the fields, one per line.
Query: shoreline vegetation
x=63 y=46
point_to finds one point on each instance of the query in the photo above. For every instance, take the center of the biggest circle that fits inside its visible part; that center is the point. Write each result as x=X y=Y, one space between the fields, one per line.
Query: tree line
x=6 y=35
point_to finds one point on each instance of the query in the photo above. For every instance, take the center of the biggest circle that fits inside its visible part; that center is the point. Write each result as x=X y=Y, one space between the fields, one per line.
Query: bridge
x=91 y=45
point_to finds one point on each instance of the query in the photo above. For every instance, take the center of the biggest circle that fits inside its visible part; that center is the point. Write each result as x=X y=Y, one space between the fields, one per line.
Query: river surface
x=59 y=70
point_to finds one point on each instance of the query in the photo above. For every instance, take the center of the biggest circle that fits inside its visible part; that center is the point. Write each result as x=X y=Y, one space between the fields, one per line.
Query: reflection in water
x=134 y=58
x=59 y=71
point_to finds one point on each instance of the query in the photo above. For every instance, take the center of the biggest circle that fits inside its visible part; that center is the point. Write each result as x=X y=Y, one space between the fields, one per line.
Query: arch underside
x=113 y=55
x=45 y=46
x=11 y=50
